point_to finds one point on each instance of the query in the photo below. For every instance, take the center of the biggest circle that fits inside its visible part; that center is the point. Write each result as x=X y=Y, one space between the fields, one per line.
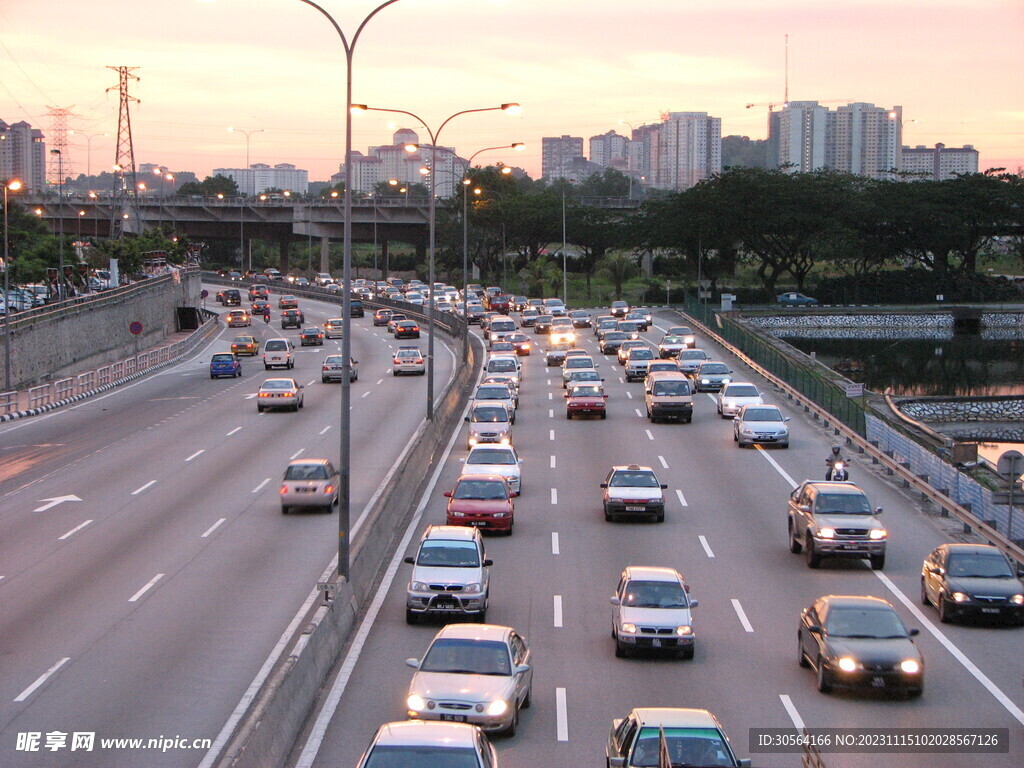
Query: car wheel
x=411 y=617
x=284 y=509
x=801 y=657
x=323 y=381
x=266 y=367
x=813 y=558
x=945 y=614
x=607 y=515
x=212 y=376
x=259 y=409
x=924 y=595
x=914 y=693
x=794 y=543
x=355 y=376
x=604 y=415
x=877 y=562
x=824 y=684
x=568 y=415
x=528 y=699
x=511 y=730
x=736 y=439
x=481 y=618
x=660 y=517
x=239 y=374
x=687 y=653
x=620 y=650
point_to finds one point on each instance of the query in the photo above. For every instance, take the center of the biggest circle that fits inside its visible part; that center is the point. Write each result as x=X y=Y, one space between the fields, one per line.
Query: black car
x=972 y=580
x=292 y=318
x=542 y=324
x=407 y=329
x=311 y=337
x=355 y=308
x=581 y=318
x=859 y=642
x=611 y=342
x=231 y=298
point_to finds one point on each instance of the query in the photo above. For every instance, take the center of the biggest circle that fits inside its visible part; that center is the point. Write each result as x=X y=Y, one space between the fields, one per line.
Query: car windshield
x=482 y=490
x=585 y=391
x=654 y=594
x=842 y=504
x=702 y=747
x=875 y=623
x=334 y=359
x=501 y=366
x=670 y=389
x=762 y=414
x=641 y=353
x=489 y=415
x=491 y=456
x=629 y=327
x=278 y=384
x=588 y=374
x=223 y=358
x=633 y=479
x=276 y=346
x=614 y=336
x=467 y=656
x=492 y=393
x=742 y=390
x=416 y=756
x=449 y=554
x=672 y=340
x=306 y=472
x=693 y=354
x=242 y=340
x=578 y=361
x=714 y=368
x=979 y=566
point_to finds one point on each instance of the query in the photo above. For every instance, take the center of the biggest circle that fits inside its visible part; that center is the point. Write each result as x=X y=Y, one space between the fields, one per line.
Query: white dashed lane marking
x=742 y=615
x=682 y=499
x=664 y=464
x=554 y=543
x=137 y=491
x=149 y=585
x=649 y=435
x=707 y=547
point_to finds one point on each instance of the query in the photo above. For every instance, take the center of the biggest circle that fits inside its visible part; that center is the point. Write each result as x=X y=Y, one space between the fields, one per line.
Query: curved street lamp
x=511 y=108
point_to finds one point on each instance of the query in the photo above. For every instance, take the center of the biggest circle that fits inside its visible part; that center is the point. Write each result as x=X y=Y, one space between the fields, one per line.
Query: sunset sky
x=955 y=66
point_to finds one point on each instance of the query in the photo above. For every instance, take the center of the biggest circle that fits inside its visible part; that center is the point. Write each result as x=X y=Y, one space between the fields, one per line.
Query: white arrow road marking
x=54 y=502
x=73 y=531
x=42 y=679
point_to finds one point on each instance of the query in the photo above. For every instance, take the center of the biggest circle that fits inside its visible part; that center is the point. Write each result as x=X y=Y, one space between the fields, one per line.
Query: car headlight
x=628 y=628
x=418 y=586
x=827 y=533
x=1017 y=599
x=847 y=664
x=472 y=441
x=877 y=533
x=705 y=381
x=746 y=431
x=472 y=587
x=497 y=707
x=456 y=513
x=684 y=630
x=726 y=380
x=910 y=666
x=960 y=597
x=417 y=703
x=688 y=339
x=505 y=441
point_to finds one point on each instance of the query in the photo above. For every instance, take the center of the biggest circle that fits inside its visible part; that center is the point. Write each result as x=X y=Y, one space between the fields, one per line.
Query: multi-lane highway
x=725 y=530
x=146 y=570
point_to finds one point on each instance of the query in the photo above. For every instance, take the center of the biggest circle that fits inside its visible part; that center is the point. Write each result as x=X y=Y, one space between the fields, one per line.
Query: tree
x=593 y=231
x=539 y=274
x=618 y=268
x=211 y=186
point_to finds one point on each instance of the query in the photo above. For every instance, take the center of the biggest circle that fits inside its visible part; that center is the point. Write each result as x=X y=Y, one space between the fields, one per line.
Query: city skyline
x=575 y=69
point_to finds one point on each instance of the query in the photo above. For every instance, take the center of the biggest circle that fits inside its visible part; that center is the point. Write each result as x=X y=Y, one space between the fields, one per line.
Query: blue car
x=225 y=364
x=794 y=299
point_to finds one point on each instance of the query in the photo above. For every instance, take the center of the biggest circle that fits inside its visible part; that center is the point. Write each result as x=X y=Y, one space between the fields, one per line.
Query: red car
x=586 y=399
x=520 y=341
x=481 y=501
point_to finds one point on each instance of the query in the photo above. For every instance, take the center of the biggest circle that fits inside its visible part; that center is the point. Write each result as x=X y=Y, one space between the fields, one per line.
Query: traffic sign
x=135 y=327
x=1011 y=465
x=203 y=293
x=854 y=390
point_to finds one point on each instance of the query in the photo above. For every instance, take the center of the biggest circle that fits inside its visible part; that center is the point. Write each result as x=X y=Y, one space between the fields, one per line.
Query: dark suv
x=292 y=318
x=232 y=298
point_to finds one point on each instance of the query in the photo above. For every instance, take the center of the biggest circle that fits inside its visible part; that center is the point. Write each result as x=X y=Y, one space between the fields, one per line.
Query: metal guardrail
x=891 y=465
x=8 y=401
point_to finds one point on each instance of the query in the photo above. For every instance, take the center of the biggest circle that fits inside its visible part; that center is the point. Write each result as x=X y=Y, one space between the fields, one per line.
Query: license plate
x=477 y=523
x=655 y=643
x=453 y=718
x=878 y=682
x=305 y=490
x=635 y=509
x=990 y=610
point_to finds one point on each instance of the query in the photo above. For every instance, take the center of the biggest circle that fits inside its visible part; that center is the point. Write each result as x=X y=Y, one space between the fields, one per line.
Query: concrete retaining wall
x=58 y=340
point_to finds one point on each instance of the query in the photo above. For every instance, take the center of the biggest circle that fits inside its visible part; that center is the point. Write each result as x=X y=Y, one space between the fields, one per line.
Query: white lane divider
x=551 y=396
x=549 y=382
x=251 y=395
x=551 y=434
x=296 y=455
x=42 y=679
x=236 y=429
x=73 y=531
x=365 y=394
x=621 y=380
x=552 y=461
x=137 y=491
x=554 y=495
x=792 y=483
x=798 y=722
x=200 y=452
x=379 y=382
x=551 y=413
x=558 y=611
x=707 y=547
x=561 y=715
x=637 y=410
x=259 y=487
x=742 y=615
x=629 y=395
x=682 y=499
x=648 y=432
x=214 y=527
x=664 y=464
x=325 y=429
x=149 y=585
x=955 y=652
x=554 y=545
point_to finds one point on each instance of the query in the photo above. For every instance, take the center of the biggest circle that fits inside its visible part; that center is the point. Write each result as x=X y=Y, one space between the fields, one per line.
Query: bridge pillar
x=325 y=253
x=282 y=249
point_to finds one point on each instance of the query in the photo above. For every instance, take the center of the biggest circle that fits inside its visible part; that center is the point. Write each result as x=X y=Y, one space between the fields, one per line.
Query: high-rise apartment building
x=23 y=155
x=689 y=150
x=610 y=150
x=260 y=177
x=643 y=152
x=800 y=136
x=394 y=161
x=557 y=155
x=939 y=162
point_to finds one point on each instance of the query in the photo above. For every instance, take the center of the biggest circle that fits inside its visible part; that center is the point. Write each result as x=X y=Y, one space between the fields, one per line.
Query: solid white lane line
x=236 y=429
x=955 y=652
x=197 y=453
x=554 y=545
x=707 y=547
x=137 y=491
x=558 y=611
x=296 y=455
x=325 y=429
x=42 y=679
x=742 y=615
x=649 y=435
x=551 y=434
x=664 y=464
x=798 y=722
x=629 y=395
x=561 y=715
x=73 y=531
x=712 y=398
x=145 y=589
x=365 y=394
x=214 y=527
x=259 y=487
x=792 y=483
x=554 y=495
x=682 y=499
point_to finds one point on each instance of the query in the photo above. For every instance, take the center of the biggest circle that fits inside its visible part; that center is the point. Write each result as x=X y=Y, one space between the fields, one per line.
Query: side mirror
x=488 y=562
x=785 y=418
x=515 y=494
x=814 y=629
x=935 y=570
x=615 y=600
x=664 y=487
x=466 y=418
x=521 y=669
x=448 y=494
x=520 y=461
x=694 y=603
x=744 y=763
x=878 y=510
x=604 y=485
x=914 y=632
x=410 y=560
x=414 y=663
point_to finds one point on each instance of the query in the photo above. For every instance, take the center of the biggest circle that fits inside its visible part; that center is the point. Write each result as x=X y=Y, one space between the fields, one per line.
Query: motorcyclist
x=835 y=457
x=266 y=314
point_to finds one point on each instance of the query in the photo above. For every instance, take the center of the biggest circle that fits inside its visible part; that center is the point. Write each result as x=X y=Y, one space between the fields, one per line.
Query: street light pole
x=60 y=222
x=565 y=279
x=434 y=136
x=12 y=186
x=241 y=208
x=346 y=294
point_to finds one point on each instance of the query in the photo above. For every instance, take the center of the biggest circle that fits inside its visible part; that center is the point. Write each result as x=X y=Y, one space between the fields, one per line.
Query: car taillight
x=325 y=368
x=329 y=489
x=284 y=489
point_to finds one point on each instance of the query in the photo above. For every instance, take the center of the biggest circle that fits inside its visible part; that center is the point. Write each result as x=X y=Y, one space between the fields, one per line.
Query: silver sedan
x=310 y=483
x=279 y=393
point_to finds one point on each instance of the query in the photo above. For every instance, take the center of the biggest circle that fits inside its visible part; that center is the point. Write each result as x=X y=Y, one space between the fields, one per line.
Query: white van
x=278 y=352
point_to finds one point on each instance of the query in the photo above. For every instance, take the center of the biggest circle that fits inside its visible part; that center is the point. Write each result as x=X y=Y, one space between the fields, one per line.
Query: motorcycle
x=266 y=318
x=837 y=471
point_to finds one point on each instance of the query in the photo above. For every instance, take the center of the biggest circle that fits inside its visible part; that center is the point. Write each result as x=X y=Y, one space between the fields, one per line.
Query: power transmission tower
x=124 y=163
x=61 y=160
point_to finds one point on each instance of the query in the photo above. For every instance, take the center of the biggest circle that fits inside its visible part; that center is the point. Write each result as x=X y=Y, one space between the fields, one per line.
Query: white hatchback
x=496 y=460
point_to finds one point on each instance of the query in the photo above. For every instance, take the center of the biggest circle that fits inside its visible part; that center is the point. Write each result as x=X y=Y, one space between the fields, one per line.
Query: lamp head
x=14 y=185
x=412 y=148
x=358 y=108
x=511 y=108
x=518 y=146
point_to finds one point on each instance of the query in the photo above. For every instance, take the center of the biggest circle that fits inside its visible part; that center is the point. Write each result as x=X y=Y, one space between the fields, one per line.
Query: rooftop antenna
x=786 y=92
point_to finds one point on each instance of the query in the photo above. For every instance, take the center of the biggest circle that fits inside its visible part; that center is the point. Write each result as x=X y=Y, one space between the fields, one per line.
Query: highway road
x=725 y=530
x=145 y=606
